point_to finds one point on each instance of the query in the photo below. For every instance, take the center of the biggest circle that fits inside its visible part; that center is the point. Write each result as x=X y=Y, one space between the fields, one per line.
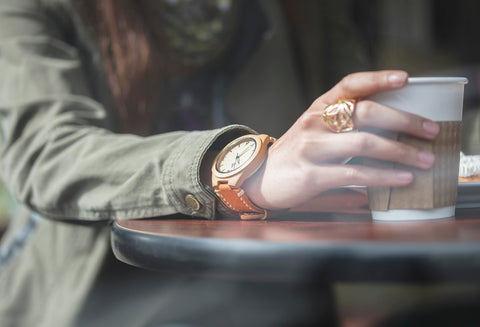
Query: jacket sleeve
x=59 y=156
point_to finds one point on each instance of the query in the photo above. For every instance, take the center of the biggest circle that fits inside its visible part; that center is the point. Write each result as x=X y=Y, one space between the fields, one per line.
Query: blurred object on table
x=469 y=168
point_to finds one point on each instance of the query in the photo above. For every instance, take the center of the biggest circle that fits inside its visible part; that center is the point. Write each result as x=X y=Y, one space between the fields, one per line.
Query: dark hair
x=134 y=56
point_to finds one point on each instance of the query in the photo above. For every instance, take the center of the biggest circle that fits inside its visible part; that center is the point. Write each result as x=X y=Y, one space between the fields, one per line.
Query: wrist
x=237 y=162
x=253 y=189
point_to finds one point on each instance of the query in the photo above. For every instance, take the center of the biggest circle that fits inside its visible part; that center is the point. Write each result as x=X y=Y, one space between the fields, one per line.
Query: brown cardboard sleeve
x=432 y=188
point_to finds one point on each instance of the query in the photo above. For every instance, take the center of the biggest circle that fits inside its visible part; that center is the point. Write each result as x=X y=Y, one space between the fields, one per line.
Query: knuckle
x=407 y=122
x=363 y=110
x=402 y=152
x=303 y=147
x=307 y=120
x=308 y=175
x=378 y=81
x=416 y=124
x=347 y=82
x=352 y=175
x=304 y=173
x=318 y=102
x=361 y=142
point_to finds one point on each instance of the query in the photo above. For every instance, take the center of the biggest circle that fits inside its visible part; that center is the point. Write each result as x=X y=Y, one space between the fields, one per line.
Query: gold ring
x=339 y=116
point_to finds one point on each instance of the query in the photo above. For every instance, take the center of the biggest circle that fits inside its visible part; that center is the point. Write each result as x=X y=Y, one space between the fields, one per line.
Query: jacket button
x=192 y=202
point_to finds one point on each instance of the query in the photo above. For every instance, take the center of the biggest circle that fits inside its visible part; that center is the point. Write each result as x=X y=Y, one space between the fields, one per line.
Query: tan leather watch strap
x=229 y=172
x=237 y=201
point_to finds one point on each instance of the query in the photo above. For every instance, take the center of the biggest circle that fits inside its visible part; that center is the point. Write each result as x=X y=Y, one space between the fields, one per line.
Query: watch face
x=236 y=155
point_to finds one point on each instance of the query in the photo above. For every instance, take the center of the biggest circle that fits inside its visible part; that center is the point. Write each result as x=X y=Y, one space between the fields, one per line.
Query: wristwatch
x=239 y=160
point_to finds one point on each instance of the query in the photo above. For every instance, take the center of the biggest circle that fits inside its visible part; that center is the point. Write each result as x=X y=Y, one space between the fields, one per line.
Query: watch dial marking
x=237 y=155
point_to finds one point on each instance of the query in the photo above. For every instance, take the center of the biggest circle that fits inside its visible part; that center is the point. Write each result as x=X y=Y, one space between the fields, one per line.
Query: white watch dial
x=236 y=155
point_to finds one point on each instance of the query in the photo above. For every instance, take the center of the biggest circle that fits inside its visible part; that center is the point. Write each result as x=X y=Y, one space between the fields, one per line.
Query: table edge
x=333 y=261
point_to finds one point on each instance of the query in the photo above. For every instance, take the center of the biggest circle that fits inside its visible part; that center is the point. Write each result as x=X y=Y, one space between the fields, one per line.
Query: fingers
x=373 y=114
x=329 y=147
x=360 y=85
x=369 y=145
x=335 y=176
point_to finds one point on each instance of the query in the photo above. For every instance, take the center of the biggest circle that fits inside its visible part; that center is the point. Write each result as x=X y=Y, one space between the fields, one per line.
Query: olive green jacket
x=72 y=175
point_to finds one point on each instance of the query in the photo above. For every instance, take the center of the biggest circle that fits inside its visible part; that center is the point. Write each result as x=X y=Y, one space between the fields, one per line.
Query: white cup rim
x=437 y=80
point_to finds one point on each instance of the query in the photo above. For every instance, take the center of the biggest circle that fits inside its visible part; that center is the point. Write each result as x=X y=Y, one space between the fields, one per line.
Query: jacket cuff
x=191 y=197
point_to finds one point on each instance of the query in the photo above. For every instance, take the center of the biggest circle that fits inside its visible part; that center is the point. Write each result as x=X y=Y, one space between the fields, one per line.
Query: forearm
x=83 y=172
x=68 y=168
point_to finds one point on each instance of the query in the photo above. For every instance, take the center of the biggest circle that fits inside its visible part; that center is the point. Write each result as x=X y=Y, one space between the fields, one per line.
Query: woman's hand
x=307 y=159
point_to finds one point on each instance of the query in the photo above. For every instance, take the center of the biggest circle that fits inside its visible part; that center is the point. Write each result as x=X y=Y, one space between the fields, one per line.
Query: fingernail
x=404 y=176
x=426 y=158
x=398 y=78
x=431 y=128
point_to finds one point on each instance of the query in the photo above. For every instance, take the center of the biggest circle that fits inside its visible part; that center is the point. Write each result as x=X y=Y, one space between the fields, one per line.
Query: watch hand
x=244 y=151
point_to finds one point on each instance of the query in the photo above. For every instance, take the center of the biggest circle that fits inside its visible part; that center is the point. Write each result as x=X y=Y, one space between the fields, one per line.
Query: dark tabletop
x=327 y=247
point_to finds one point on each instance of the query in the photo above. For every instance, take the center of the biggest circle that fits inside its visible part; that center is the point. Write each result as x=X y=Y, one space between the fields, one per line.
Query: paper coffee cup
x=433 y=193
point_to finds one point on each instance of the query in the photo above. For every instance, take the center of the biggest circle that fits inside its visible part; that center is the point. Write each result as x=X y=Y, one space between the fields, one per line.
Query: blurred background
x=332 y=38
x=423 y=37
